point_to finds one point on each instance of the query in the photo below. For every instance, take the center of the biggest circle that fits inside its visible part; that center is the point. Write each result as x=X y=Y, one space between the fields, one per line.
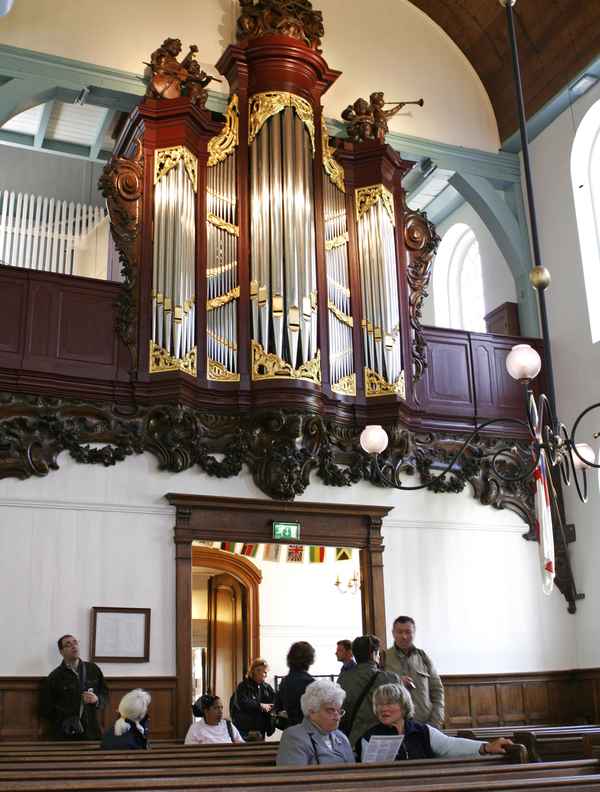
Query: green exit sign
x=286 y=530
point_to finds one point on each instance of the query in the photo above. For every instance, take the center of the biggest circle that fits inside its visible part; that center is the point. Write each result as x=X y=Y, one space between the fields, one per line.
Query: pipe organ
x=269 y=255
x=380 y=322
x=222 y=233
x=282 y=255
x=173 y=339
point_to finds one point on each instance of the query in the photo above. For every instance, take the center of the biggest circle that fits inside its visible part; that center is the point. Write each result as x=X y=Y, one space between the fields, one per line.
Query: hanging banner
x=343 y=554
x=229 y=546
x=271 y=552
x=295 y=554
x=316 y=554
x=250 y=550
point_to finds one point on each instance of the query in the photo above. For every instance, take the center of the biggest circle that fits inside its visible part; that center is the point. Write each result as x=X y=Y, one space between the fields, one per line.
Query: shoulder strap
x=315 y=749
x=426 y=660
x=229 y=729
x=83 y=676
x=359 y=701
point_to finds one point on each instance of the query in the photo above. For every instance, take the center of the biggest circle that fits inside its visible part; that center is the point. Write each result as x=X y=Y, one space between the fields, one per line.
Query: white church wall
x=427 y=64
x=498 y=282
x=87 y=536
x=576 y=359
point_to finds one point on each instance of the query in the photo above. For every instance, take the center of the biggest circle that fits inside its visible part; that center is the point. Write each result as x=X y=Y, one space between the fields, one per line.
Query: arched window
x=457 y=282
x=585 y=178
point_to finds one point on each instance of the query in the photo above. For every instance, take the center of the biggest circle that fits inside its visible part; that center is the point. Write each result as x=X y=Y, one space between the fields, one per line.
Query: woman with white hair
x=394 y=710
x=131 y=729
x=317 y=739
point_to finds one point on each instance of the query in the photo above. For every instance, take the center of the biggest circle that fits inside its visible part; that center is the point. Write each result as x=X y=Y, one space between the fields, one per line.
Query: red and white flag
x=543 y=508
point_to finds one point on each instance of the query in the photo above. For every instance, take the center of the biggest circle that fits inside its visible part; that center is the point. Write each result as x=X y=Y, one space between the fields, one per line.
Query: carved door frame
x=249 y=520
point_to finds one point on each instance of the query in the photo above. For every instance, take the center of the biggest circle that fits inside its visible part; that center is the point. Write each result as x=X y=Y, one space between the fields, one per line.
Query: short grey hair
x=133 y=706
x=394 y=693
x=321 y=693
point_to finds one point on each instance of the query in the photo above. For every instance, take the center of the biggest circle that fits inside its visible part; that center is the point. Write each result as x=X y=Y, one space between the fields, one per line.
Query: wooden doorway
x=250 y=521
x=233 y=622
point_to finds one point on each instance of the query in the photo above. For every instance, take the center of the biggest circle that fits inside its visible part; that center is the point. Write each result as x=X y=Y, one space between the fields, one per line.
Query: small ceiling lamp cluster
x=549 y=438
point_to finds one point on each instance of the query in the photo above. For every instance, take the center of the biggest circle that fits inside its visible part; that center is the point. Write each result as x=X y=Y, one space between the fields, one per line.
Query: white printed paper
x=381 y=748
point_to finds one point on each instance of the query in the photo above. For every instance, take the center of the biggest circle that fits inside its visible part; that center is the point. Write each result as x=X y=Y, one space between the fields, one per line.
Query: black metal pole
x=535 y=240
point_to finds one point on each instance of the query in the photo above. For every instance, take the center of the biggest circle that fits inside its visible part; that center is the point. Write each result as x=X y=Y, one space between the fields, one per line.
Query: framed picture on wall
x=120 y=635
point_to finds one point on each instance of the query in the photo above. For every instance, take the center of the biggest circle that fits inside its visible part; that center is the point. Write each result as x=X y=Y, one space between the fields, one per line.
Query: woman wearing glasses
x=394 y=710
x=317 y=739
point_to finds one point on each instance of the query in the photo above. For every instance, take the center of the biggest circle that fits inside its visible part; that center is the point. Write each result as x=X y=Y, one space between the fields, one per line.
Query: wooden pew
x=544 y=744
x=582 y=775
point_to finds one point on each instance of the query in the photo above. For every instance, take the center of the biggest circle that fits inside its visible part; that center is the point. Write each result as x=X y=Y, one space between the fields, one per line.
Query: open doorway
x=227 y=522
x=225 y=620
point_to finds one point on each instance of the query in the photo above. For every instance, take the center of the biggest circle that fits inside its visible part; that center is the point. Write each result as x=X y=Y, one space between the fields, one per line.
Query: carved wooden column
x=371 y=573
x=183 y=618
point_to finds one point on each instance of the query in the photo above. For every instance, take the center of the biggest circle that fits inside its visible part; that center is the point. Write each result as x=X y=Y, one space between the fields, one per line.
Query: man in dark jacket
x=73 y=694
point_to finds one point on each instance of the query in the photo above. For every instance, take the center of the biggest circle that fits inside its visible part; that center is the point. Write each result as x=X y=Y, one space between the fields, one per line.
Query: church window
x=585 y=179
x=457 y=281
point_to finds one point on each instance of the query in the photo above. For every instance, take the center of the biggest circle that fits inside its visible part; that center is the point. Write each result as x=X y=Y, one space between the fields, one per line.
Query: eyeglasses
x=335 y=713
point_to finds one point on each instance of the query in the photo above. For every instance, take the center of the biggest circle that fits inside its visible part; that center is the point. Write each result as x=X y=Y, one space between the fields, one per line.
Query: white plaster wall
x=498 y=282
x=87 y=536
x=576 y=359
x=377 y=45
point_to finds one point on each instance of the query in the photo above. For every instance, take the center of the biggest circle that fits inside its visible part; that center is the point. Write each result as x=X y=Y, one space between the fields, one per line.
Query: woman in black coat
x=131 y=729
x=251 y=704
x=299 y=659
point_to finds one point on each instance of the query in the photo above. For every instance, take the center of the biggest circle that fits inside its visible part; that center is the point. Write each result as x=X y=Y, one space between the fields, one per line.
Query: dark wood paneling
x=19 y=705
x=447 y=384
x=14 y=295
x=59 y=324
x=554 y=697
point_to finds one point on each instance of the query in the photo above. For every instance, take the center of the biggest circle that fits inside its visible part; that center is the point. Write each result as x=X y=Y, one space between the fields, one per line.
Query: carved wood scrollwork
x=281 y=450
x=295 y=18
x=421 y=241
x=121 y=184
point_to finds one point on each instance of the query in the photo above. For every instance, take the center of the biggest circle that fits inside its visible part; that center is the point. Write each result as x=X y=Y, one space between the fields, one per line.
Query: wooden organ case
x=266 y=262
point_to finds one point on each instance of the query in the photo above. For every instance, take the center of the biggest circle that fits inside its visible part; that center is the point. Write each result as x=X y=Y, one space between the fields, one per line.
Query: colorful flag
x=316 y=554
x=229 y=546
x=272 y=552
x=343 y=554
x=295 y=554
x=543 y=509
x=250 y=550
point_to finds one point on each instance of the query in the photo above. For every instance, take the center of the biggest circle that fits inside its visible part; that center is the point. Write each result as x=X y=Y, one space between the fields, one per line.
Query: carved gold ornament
x=346 y=386
x=332 y=168
x=375 y=385
x=267 y=365
x=216 y=372
x=166 y=159
x=366 y=197
x=337 y=241
x=264 y=105
x=223 y=299
x=161 y=360
x=230 y=228
x=222 y=145
x=347 y=320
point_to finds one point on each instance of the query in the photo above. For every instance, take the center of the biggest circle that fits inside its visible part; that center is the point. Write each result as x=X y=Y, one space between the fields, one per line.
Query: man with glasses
x=73 y=694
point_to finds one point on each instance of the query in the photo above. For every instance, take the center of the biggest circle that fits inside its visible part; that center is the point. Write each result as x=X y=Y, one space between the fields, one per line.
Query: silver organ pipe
x=173 y=342
x=341 y=350
x=380 y=298
x=282 y=254
x=222 y=283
